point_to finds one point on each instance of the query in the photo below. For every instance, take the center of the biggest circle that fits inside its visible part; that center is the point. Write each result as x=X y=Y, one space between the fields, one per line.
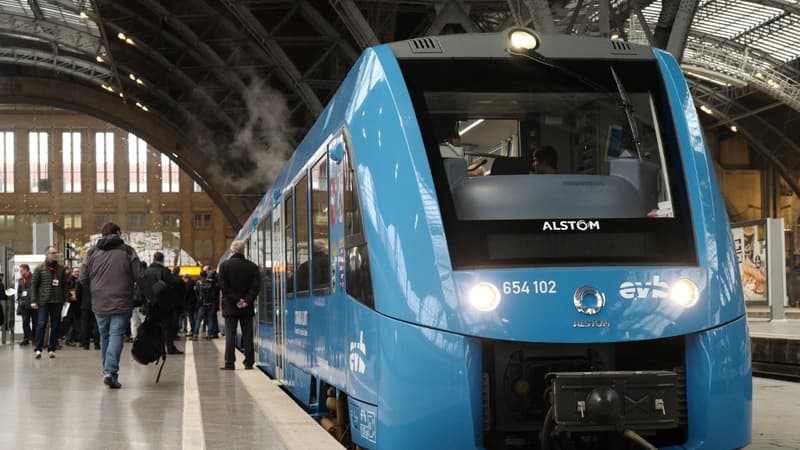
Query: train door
x=278 y=282
x=266 y=307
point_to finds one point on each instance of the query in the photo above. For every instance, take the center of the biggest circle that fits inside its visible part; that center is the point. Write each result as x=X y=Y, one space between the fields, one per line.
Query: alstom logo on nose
x=654 y=288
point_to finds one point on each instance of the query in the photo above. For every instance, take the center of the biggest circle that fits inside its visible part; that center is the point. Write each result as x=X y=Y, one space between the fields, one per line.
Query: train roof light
x=484 y=297
x=522 y=40
x=684 y=292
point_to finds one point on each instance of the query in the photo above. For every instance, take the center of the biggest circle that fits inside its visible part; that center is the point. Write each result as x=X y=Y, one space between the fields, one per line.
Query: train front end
x=583 y=291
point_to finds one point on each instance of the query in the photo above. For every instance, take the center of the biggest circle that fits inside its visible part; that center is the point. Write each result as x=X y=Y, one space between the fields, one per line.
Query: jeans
x=112 y=334
x=53 y=312
x=209 y=313
x=183 y=318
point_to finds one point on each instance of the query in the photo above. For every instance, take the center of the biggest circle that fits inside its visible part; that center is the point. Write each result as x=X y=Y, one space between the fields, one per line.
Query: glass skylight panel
x=783 y=44
x=15 y=7
x=731 y=21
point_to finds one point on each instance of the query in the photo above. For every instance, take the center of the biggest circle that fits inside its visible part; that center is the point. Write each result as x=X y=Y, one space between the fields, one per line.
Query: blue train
x=506 y=240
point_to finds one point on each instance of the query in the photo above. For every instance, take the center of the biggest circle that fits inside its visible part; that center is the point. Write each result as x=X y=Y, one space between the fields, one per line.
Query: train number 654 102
x=523 y=287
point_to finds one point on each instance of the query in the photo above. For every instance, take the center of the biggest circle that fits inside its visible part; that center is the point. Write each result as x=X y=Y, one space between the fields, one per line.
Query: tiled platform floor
x=62 y=403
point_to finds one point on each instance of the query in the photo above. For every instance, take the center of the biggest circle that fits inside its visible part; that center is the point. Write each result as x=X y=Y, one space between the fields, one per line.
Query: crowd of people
x=104 y=301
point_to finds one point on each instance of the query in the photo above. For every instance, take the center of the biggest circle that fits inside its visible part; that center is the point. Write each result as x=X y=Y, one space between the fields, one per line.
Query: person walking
x=239 y=282
x=49 y=292
x=163 y=305
x=110 y=270
x=24 y=295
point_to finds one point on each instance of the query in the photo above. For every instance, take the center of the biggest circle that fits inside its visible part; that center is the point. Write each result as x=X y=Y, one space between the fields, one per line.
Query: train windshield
x=541 y=164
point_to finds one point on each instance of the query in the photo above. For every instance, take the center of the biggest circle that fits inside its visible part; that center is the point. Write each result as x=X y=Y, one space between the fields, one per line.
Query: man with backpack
x=208 y=299
x=109 y=271
x=163 y=291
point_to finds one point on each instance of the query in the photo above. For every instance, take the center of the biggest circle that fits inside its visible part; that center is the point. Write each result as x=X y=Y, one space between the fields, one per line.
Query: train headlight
x=484 y=296
x=522 y=40
x=684 y=292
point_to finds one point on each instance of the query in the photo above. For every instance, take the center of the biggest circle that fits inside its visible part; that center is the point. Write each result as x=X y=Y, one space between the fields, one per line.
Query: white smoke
x=263 y=141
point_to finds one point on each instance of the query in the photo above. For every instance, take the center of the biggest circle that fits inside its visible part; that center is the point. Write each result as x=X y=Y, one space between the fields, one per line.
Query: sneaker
x=23 y=343
x=38 y=354
x=52 y=354
x=111 y=382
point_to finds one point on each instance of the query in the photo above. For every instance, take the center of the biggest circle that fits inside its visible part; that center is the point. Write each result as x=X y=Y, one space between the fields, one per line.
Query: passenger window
x=301 y=236
x=288 y=214
x=359 y=280
x=320 y=259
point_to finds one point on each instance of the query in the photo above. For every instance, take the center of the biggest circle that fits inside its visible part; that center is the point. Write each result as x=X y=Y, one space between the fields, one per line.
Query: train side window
x=320 y=250
x=301 y=236
x=359 y=280
x=288 y=233
x=265 y=306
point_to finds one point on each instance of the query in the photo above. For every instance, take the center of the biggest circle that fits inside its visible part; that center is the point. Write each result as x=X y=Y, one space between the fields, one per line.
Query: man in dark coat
x=239 y=282
x=163 y=307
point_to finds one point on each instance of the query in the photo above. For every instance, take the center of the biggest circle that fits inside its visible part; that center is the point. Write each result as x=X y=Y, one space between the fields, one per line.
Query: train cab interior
x=600 y=169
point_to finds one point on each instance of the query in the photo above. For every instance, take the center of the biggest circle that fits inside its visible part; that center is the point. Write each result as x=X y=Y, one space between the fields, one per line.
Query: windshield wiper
x=627 y=106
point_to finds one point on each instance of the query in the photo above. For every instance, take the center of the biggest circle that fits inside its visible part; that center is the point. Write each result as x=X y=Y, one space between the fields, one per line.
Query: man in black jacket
x=239 y=282
x=163 y=307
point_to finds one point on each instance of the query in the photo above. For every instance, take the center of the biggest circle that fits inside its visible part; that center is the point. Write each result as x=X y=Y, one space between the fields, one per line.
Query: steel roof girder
x=775 y=159
x=680 y=28
x=325 y=28
x=178 y=73
x=217 y=64
x=53 y=32
x=359 y=28
x=451 y=12
x=286 y=68
x=80 y=67
x=771 y=81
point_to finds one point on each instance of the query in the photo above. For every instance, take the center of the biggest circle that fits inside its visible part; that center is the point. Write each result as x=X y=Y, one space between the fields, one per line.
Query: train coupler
x=614 y=400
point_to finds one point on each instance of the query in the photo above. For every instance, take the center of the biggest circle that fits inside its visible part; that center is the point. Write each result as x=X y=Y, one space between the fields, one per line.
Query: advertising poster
x=750 y=242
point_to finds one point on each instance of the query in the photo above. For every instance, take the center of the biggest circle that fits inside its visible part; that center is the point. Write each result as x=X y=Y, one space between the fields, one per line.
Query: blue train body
x=367 y=313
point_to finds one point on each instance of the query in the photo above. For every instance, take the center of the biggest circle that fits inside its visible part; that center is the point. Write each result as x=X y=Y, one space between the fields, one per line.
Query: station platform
x=62 y=403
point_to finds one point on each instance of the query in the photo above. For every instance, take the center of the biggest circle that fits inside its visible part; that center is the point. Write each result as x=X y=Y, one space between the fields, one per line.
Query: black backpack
x=148 y=347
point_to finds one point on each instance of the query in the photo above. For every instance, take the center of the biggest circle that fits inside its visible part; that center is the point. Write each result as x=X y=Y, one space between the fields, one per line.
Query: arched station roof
x=228 y=87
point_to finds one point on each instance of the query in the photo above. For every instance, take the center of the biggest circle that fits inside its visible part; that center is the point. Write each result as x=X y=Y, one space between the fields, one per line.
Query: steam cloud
x=262 y=141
